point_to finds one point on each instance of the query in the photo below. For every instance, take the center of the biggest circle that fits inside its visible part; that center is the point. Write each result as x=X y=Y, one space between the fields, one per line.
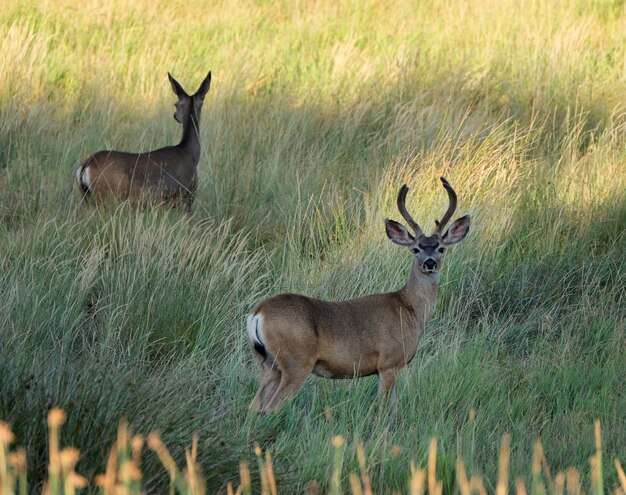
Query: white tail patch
x=255 y=329
x=82 y=177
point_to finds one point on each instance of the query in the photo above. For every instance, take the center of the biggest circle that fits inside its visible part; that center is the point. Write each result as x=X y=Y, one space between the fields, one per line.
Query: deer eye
x=441 y=249
x=415 y=250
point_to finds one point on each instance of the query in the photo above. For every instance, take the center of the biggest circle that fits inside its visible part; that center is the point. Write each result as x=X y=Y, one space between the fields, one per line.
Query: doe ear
x=398 y=233
x=457 y=231
x=204 y=87
x=176 y=87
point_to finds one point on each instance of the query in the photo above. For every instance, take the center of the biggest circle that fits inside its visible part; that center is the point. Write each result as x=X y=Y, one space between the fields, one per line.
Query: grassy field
x=318 y=113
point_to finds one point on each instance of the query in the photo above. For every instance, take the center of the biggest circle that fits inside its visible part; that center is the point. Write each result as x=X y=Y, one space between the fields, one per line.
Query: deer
x=166 y=174
x=292 y=336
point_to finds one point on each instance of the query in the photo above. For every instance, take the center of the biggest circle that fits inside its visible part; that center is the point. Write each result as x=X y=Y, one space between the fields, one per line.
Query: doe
x=165 y=174
x=293 y=335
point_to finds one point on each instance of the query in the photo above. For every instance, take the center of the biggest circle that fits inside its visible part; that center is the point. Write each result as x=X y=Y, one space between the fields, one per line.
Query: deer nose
x=430 y=264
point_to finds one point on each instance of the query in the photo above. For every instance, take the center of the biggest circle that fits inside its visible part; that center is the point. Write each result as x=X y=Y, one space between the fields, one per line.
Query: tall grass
x=318 y=113
x=123 y=469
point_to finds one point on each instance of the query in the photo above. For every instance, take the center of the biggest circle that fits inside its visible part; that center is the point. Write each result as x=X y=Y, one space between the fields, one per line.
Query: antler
x=402 y=208
x=451 y=207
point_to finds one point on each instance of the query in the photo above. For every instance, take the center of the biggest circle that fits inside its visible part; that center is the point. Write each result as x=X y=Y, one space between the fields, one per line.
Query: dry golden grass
x=123 y=475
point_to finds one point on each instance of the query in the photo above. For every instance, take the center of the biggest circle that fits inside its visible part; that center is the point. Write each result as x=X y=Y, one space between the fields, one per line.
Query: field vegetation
x=318 y=113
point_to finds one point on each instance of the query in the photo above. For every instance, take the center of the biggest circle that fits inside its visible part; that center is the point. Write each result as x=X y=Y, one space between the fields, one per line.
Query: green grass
x=318 y=113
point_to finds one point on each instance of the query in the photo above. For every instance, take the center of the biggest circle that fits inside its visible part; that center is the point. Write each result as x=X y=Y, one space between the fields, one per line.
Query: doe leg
x=386 y=387
x=270 y=379
x=290 y=384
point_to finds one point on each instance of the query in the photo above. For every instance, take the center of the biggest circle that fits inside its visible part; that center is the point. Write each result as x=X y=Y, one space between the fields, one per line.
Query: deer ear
x=457 y=231
x=176 y=87
x=398 y=233
x=204 y=87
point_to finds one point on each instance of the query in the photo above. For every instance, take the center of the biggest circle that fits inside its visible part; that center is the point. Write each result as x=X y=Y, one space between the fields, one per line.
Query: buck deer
x=166 y=174
x=293 y=335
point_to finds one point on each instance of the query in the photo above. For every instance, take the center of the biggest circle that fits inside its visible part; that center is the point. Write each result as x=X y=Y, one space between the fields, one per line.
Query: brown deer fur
x=165 y=174
x=293 y=336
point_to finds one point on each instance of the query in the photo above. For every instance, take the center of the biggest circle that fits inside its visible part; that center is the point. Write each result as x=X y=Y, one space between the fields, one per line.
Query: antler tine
x=405 y=214
x=451 y=207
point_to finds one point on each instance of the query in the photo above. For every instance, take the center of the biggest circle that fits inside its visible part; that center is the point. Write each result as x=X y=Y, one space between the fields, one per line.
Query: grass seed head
x=6 y=435
x=17 y=460
x=56 y=417
x=69 y=457
x=129 y=471
x=136 y=446
x=337 y=441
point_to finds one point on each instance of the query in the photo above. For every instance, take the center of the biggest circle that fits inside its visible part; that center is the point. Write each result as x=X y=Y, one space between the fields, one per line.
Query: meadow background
x=318 y=113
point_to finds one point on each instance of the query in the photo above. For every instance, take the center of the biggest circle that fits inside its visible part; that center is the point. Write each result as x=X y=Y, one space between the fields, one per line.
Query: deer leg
x=270 y=379
x=386 y=381
x=265 y=393
x=290 y=383
x=386 y=387
x=188 y=202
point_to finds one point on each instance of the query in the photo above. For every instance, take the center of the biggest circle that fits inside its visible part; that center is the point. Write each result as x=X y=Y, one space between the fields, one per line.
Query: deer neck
x=421 y=290
x=190 y=141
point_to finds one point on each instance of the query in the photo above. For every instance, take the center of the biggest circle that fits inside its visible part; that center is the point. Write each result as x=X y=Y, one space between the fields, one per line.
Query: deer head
x=186 y=103
x=428 y=250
